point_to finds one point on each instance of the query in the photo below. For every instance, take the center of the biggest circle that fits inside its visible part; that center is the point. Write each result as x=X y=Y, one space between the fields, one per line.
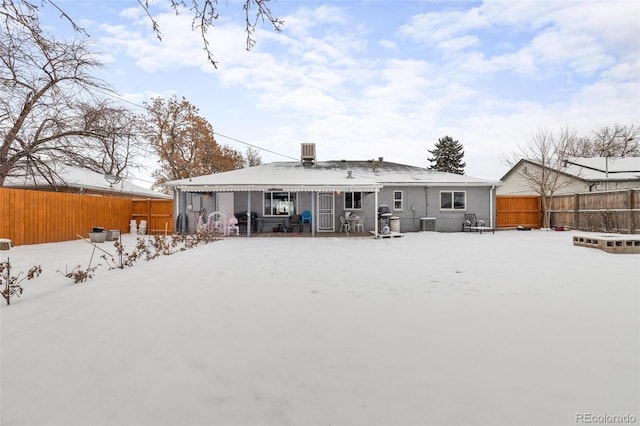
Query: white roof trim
x=277 y=188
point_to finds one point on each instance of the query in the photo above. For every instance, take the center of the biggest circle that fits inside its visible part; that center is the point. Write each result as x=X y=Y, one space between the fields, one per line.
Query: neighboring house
x=272 y=192
x=577 y=175
x=83 y=181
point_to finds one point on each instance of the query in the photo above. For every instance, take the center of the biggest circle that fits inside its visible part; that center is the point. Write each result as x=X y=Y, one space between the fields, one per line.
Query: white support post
x=314 y=216
x=376 y=212
x=491 y=214
x=248 y=214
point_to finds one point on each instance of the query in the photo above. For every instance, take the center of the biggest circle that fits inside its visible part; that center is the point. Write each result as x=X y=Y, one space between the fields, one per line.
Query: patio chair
x=217 y=221
x=295 y=221
x=471 y=221
x=232 y=226
x=360 y=223
x=306 y=218
x=344 y=225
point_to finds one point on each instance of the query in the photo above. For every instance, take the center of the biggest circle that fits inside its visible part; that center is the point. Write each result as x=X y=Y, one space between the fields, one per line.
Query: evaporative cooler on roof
x=308 y=153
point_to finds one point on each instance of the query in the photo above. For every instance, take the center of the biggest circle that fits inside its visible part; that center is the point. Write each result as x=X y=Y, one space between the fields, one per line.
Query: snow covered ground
x=513 y=328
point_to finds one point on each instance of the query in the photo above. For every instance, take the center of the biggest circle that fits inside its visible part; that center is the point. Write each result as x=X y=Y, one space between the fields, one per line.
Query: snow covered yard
x=505 y=329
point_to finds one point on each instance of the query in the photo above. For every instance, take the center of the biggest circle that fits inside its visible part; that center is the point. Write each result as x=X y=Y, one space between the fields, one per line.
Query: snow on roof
x=324 y=175
x=604 y=168
x=77 y=177
x=595 y=168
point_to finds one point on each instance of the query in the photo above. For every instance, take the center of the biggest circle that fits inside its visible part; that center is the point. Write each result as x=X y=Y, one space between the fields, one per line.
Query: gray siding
x=477 y=201
x=414 y=205
x=418 y=202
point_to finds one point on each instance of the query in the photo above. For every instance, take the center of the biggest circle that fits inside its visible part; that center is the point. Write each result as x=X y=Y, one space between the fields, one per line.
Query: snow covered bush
x=11 y=283
x=79 y=275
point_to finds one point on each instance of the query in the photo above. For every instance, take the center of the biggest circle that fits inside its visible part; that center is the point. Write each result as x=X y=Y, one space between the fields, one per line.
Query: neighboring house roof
x=595 y=169
x=604 y=168
x=84 y=180
x=325 y=176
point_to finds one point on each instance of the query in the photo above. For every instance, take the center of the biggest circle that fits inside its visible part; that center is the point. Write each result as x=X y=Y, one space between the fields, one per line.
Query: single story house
x=268 y=194
x=576 y=175
x=78 y=180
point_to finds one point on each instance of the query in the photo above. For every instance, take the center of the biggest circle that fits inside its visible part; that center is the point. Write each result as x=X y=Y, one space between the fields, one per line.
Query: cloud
x=389 y=44
x=404 y=106
x=437 y=27
x=302 y=22
x=488 y=75
x=179 y=46
x=545 y=37
x=458 y=43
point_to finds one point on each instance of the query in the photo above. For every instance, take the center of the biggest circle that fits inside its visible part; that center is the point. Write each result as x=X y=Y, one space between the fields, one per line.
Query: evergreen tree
x=447 y=156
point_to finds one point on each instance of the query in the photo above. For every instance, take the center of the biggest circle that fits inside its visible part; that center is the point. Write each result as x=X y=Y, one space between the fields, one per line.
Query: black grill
x=242 y=221
x=384 y=212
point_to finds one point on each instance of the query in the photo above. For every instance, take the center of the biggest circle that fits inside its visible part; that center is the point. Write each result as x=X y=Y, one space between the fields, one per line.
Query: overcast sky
x=368 y=79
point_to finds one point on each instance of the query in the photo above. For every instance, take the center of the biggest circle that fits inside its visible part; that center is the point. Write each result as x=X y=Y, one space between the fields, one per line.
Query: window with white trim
x=353 y=200
x=398 y=197
x=279 y=203
x=453 y=200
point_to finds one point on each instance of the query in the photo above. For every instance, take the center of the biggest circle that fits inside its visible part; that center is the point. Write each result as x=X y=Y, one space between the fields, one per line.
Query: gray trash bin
x=394 y=224
x=428 y=224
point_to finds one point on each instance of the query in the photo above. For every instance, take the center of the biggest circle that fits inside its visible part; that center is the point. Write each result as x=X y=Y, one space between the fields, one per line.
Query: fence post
x=576 y=209
x=631 y=207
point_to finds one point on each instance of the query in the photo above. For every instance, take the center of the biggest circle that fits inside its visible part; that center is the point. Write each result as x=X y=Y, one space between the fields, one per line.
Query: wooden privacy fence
x=157 y=213
x=607 y=211
x=34 y=217
x=512 y=211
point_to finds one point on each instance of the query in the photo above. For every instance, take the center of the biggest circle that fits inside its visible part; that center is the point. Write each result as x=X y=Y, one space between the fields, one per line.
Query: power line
x=254 y=146
x=118 y=97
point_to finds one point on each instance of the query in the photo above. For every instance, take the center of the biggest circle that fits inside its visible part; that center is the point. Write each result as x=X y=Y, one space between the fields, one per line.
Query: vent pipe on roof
x=375 y=163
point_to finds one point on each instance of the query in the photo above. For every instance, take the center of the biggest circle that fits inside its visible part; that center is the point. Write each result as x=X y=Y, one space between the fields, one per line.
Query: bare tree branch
x=63 y=15
x=205 y=14
x=184 y=142
x=45 y=85
x=543 y=155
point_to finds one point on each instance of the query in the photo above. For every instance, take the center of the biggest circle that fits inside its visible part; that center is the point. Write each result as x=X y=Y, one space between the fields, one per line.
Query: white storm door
x=326 y=218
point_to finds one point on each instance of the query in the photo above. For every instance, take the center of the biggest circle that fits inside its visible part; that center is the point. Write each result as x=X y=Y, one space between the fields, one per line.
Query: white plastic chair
x=344 y=225
x=360 y=223
x=217 y=221
x=233 y=226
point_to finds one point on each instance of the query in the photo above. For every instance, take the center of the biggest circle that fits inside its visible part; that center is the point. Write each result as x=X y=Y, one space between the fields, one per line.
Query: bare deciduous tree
x=205 y=14
x=545 y=155
x=116 y=149
x=45 y=88
x=609 y=141
x=252 y=157
x=184 y=142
